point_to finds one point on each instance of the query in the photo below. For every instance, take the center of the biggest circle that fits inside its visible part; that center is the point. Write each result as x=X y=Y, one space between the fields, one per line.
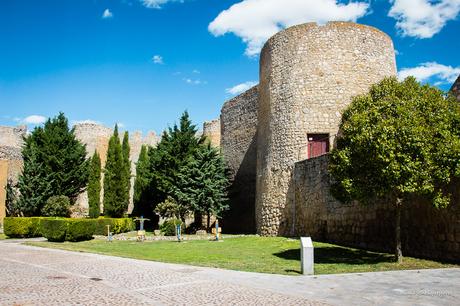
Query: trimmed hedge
x=117 y=225
x=64 y=229
x=80 y=229
x=17 y=227
x=54 y=229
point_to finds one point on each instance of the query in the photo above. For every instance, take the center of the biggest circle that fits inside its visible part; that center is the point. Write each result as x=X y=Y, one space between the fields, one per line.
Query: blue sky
x=142 y=62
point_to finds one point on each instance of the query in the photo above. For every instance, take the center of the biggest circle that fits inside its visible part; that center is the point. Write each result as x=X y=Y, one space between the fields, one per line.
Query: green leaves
x=54 y=164
x=402 y=138
x=116 y=182
x=94 y=186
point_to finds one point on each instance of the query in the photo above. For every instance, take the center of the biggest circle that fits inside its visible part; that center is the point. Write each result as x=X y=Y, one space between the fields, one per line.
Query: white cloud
x=254 y=21
x=196 y=71
x=423 y=18
x=107 y=14
x=439 y=74
x=32 y=119
x=156 y=4
x=157 y=59
x=240 y=88
x=87 y=121
x=194 y=81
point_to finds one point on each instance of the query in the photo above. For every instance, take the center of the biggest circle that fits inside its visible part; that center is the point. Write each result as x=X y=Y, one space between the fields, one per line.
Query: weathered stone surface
x=456 y=88
x=426 y=231
x=308 y=75
x=211 y=131
x=3 y=181
x=11 y=142
x=96 y=138
x=238 y=143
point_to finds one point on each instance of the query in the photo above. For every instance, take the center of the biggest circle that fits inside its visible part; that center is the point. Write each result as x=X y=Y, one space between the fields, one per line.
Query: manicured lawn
x=251 y=253
x=2 y=236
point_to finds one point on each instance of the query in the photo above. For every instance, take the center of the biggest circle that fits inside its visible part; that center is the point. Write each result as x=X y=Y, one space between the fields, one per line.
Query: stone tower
x=308 y=75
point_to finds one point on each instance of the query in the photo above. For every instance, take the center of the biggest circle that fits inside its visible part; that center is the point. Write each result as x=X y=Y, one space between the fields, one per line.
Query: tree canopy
x=400 y=139
x=115 y=199
x=94 y=186
x=54 y=164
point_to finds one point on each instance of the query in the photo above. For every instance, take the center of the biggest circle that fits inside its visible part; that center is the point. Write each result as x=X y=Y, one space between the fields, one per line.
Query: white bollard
x=307 y=257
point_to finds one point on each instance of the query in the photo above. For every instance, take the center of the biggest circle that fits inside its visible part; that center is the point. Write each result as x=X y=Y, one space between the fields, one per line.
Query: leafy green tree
x=177 y=145
x=54 y=164
x=143 y=205
x=126 y=165
x=94 y=186
x=203 y=183
x=115 y=199
x=401 y=139
x=170 y=209
x=56 y=206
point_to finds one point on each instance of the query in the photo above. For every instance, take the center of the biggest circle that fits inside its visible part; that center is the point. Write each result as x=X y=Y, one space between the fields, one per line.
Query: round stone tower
x=308 y=75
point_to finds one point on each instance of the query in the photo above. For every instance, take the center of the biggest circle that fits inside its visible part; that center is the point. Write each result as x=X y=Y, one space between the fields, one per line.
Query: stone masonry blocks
x=308 y=75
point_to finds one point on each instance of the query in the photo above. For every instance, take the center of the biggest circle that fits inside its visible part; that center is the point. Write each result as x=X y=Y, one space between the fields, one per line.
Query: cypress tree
x=54 y=164
x=142 y=204
x=115 y=200
x=126 y=166
x=203 y=183
x=94 y=186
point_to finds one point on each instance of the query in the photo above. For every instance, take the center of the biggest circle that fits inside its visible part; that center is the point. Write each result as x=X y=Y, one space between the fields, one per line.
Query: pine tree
x=126 y=166
x=173 y=152
x=54 y=164
x=94 y=186
x=34 y=184
x=203 y=183
x=142 y=201
x=115 y=200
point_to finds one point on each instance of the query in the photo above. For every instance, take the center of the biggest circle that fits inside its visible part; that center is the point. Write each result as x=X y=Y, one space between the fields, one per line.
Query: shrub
x=56 y=206
x=54 y=229
x=117 y=225
x=66 y=229
x=168 y=228
x=80 y=229
x=17 y=227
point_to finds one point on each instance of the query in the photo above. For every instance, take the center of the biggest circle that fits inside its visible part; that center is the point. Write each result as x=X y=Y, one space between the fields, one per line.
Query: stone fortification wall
x=308 y=75
x=211 y=130
x=238 y=143
x=96 y=137
x=426 y=232
x=11 y=142
x=456 y=88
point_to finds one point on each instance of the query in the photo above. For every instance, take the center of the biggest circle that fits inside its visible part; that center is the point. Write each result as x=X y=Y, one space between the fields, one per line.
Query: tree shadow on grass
x=339 y=255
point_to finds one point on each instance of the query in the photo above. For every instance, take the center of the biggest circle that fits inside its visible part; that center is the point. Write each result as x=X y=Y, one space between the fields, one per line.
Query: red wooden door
x=318 y=144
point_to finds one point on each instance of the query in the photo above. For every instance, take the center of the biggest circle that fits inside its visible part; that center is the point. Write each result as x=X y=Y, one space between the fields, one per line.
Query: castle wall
x=3 y=182
x=11 y=142
x=211 y=130
x=426 y=231
x=238 y=143
x=96 y=137
x=456 y=88
x=308 y=75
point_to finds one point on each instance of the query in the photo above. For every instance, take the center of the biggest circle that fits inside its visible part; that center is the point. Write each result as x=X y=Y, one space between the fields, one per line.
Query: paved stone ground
x=36 y=276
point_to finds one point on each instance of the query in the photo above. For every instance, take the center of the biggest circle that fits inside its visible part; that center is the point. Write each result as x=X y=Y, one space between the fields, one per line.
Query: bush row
x=62 y=229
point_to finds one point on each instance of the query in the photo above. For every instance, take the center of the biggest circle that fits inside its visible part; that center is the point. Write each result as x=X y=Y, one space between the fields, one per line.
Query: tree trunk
x=208 y=221
x=398 y=249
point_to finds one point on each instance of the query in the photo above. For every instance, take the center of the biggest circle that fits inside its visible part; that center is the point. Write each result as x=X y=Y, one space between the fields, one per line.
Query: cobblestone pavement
x=36 y=276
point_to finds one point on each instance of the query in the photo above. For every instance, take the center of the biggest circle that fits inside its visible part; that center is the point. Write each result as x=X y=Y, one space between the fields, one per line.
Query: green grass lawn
x=2 y=236
x=255 y=254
